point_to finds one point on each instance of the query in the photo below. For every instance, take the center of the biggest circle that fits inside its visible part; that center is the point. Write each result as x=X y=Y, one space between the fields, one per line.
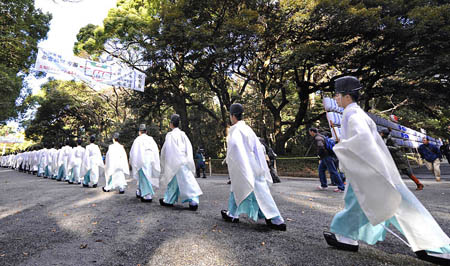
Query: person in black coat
x=270 y=158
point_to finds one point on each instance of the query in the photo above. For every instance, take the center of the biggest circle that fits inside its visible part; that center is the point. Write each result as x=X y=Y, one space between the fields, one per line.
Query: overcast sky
x=68 y=19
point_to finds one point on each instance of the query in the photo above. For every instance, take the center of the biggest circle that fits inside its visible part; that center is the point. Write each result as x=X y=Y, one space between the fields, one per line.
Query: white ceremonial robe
x=19 y=160
x=92 y=161
x=116 y=167
x=376 y=182
x=42 y=161
x=64 y=160
x=53 y=162
x=248 y=168
x=36 y=157
x=28 y=160
x=75 y=161
x=144 y=154
x=177 y=155
x=59 y=162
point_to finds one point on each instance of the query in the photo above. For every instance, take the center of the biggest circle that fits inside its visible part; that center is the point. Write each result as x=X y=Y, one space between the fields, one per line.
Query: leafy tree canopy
x=21 y=28
x=275 y=56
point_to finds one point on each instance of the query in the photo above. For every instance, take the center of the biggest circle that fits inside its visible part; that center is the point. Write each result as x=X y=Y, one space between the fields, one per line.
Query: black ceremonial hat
x=236 y=109
x=347 y=84
x=175 y=118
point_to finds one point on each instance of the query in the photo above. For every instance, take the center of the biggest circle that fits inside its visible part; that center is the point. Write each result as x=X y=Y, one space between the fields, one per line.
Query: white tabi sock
x=138 y=192
x=277 y=220
x=346 y=240
x=232 y=216
x=147 y=197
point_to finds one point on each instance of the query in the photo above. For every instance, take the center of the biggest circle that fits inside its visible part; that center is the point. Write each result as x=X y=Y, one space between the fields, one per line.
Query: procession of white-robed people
x=375 y=195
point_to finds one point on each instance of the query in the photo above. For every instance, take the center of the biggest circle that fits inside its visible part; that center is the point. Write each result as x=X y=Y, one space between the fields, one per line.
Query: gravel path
x=44 y=222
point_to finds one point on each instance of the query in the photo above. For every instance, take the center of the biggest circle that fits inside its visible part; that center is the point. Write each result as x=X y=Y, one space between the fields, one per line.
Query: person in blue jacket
x=432 y=157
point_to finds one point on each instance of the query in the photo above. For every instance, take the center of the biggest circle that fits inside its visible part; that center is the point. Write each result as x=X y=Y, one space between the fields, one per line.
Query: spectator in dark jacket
x=326 y=162
x=270 y=158
x=200 y=164
x=432 y=157
x=445 y=150
x=399 y=158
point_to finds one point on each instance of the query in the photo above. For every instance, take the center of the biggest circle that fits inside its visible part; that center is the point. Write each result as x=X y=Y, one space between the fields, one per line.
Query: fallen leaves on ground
x=94 y=222
x=25 y=254
x=83 y=246
x=98 y=240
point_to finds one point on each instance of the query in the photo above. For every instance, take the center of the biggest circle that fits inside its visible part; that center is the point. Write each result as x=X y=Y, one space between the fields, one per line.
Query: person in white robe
x=145 y=164
x=75 y=162
x=29 y=161
x=92 y=164
x=66 y=155
x=116 y=166
x=60 y=173
x=178 y=168
x=19 y=162
x=376 y=196
x=249 y=174
x=47 y=162
x=36 y=157
x=53 y=162
x=42 y=161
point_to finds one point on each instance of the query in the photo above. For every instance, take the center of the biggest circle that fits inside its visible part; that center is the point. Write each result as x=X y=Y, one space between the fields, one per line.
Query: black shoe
x=44 y=177
x=229 y=182
x=204 y=176
x=94 y=185
x=161 y=201
x=104 y=190
x=279 y=227
x=228 y=218
x=58 y=180
x=70 y=182
x=121 y=191
x=193 y=207
x=440 y=259
x=84 y=185
x=332 y=241
x=146 y=200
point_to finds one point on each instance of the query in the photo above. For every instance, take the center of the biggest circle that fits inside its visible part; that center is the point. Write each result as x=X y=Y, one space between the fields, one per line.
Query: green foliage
x=21 y=28
x=66 y=109
x=274 y=56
